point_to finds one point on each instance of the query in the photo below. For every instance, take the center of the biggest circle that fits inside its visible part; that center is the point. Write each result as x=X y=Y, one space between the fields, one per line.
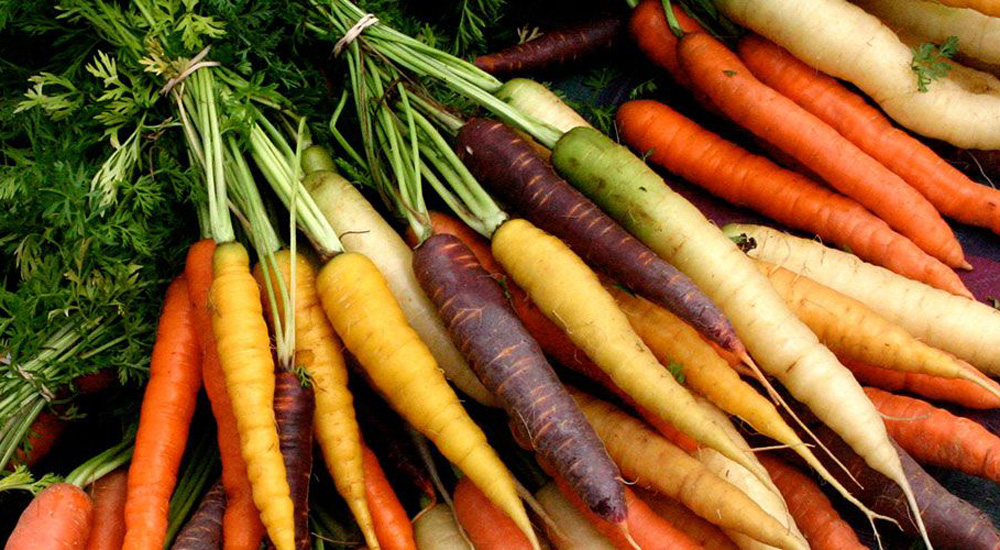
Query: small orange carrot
x=485 y=524
x=58 y=518
x=392 y=526
x=822 y=526
x=108 y=495
x=935 y=436
x=961 y=392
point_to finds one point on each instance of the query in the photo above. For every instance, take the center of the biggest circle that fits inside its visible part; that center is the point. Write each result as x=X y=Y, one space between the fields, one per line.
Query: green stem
x=104 y=463
x=199 y=470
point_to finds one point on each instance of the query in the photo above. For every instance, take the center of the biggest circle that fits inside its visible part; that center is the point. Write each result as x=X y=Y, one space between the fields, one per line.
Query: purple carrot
x=293 y=410
x=509 y=167
x=554 y=48
x=204 y=530
x=511 y=365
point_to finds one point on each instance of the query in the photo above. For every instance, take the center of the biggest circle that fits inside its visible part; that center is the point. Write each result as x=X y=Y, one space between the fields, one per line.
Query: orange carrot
x=740 y=177
x=58 y=518
x=648 y=530
x=719 y=73
x=242 y=527
x=392 y=526
x=935 y=436
x=652 y=33
x=167 y=408
x=108 y=495
x=961 y=392
x=948 y=189
x=702 y=531
x=43 y=434
x=812 y=511
x=485 y=524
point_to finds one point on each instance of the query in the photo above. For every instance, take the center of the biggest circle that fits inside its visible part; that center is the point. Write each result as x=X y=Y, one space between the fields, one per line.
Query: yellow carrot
x=591 y=318
x=361 y=307
x=318 y=350
x=655 y=463
x=245 y=355
x=673 y=341
x=853 y=331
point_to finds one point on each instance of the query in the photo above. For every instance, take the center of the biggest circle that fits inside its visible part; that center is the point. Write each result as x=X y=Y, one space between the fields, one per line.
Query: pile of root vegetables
x=510 y=331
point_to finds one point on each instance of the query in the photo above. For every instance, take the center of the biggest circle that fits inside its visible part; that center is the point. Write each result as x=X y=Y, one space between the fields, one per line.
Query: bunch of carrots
x=602 y=328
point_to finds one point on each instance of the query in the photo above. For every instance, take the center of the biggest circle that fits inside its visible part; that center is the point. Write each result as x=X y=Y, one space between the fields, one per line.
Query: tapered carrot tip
x=623 y=527
x=966 y=266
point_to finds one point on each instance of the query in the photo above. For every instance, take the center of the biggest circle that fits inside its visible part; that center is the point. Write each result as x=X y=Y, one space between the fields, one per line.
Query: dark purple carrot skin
x=554 y=48
x=204 y=530
x=511 y=365
x=509 y=167
x=293 y=411
x=951 y=522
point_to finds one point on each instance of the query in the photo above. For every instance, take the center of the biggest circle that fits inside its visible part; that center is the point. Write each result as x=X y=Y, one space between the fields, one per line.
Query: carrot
x=108 y=495
x=648 y=530
x=510 y=168
x=43 y=434
x=935 y=436
x=204 y=530
x=982 y=6
x=167 y=407
x=962 y=327
x=487 y=527
x=652 y=33
x=852 y=330
x=639 y=199
x=436 y=529
x=549 y=271
x=813 y=513
x=58 y=518
x=536 y=100
x=366 y=232
x=554 y=48
x=948 y=189
x=656 y=464
x=703 y=532
x=242 y=527
x=961 y=109
x=364 y=313
x=961 y=392
x=677 y=344
x=293 y=412
x=742 y=178
x=329 y=404
x=245 y=355
x=549 y=336
x=511 y=365
x=569 y=529
x=718 y=72
x=392 y=526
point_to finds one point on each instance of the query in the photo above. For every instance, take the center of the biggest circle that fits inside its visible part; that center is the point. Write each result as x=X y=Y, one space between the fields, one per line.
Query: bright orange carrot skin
x=961 y=392
x=820 y=523
x=947 y=188
x=167 y=407
x=108 y=497
x=242 y=527
x=718 y=72
x=935 y=436
x=651 y=32
x=58 y=518
x=649 y=530
x=392 y=526
x=699 y=529
x=728 y=171
x=487 y=526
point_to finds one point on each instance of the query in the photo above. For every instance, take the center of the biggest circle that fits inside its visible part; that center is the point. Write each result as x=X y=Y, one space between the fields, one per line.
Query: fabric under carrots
x=947 y=188
x=318 y=350
x=108 y=495
x=742 y=178
x=58 y=518
x=391 y=524
x=935 y=388
x=241 y=522
x=365 y=314
x=164 y=421
x=718 y=72
x=245 y=355
x=485 y=524
x=813 y=513
x=936 y=437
